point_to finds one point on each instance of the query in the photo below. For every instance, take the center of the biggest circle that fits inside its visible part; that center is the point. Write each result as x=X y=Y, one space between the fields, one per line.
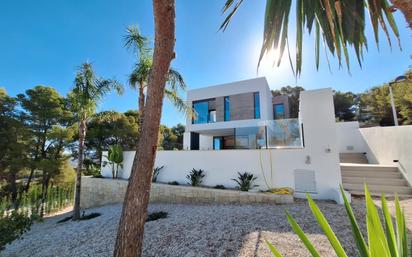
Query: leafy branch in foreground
x=339 y=24
x=383 y=241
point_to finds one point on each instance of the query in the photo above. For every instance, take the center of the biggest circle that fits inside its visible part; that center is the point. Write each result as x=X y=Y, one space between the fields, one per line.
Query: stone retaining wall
x=98 y=192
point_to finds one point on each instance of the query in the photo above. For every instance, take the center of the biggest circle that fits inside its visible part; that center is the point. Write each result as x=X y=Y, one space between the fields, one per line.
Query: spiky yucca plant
x=245 y=181
x=195 y=177
x=383 y=240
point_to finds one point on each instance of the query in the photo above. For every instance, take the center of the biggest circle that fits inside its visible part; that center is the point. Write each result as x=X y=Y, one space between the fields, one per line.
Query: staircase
x=356 y=171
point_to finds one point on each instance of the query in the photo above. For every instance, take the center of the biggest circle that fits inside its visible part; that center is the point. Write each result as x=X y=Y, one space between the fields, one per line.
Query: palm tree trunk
x=406 y=8
x=141 y=99
x=82 y=136
x=129 y=240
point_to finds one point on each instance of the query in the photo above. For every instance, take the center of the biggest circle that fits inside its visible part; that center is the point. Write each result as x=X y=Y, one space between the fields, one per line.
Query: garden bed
x=98 y=192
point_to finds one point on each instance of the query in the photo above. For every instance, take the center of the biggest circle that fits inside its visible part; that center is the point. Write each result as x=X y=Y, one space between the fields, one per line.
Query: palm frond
x=340 y=23
x=175 y=80
x=135 y=41
x=140 y=74
x=88 y=90
x=179 y=103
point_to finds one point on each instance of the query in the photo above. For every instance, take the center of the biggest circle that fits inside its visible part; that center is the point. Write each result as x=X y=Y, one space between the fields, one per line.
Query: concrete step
x=353 y=158
x=379 y=194
x=374 y=181
x=370 y=174
x=379 y=188
x=368 y=167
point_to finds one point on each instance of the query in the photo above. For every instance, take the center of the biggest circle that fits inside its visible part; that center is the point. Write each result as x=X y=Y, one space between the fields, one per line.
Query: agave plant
x=115 y=159
x=156 y=172
x=195 y=177
x=245 y=181
x=383 y=241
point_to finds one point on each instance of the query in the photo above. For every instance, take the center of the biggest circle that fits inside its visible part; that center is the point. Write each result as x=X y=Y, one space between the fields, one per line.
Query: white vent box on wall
x=305 y=181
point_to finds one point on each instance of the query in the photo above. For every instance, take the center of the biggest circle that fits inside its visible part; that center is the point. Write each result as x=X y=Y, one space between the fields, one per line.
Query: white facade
x=382 y=145
x=208 y=130
x=312 y=168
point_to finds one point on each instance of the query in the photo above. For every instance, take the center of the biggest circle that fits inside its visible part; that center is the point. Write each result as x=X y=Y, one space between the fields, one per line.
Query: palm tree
x=139 y=77
x=129 y=239
x=87 y=91
x=340 y=24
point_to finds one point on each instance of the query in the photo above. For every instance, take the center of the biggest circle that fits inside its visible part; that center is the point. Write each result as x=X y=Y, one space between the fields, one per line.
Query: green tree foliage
x=48 y=118
x=345 y=106
x=109 y=128
x=375 y=108
x=171 y=138
x=293 y=93
x=14 y=145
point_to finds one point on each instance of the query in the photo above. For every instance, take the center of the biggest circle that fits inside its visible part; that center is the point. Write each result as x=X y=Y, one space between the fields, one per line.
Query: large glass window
x=250 y=138
x=202 y=112
x=257 y=105
x=227 y=108
x=279 y=111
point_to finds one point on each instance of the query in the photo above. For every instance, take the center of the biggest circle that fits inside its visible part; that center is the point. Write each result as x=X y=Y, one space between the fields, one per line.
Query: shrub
x=195 y=177
x=388 y=240
x=115 y=159
x=173 y=183
x=156 y=215
x=156 y=172
x=220 y=187
x=13 y=226
x=245 y=181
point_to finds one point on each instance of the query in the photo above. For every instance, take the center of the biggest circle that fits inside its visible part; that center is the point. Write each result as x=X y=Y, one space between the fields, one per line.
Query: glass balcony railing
x=284 y=133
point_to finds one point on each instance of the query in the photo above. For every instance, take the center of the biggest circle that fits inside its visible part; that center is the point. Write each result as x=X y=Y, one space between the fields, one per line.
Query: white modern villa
x=242 y=127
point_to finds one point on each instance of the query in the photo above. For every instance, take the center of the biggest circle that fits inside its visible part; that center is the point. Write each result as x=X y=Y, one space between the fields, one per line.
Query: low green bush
x=173 y=183
x=220 y=187
x=13 y=226
x=195 y=177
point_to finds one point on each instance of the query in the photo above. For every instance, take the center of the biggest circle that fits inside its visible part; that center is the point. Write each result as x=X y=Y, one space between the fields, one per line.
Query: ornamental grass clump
x=245 y=181
x=384 y=240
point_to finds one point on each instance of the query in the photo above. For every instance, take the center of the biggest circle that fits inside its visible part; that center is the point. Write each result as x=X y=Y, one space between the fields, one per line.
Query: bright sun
x=268 y=64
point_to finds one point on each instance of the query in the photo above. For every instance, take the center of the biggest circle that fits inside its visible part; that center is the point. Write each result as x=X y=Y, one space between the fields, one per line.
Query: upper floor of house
x=247 y=100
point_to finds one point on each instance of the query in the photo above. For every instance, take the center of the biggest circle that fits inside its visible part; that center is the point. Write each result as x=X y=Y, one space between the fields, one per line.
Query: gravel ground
x=195 y=230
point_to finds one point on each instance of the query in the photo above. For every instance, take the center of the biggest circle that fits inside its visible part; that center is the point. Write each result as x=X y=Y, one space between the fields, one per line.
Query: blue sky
x=44 y=41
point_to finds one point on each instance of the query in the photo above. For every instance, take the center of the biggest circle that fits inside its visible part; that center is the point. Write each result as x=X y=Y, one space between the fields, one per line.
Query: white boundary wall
x=319 y=156
x=382 y=145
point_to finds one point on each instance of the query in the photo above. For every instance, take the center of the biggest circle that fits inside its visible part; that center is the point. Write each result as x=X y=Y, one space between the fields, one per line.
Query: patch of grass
x=156 y=215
